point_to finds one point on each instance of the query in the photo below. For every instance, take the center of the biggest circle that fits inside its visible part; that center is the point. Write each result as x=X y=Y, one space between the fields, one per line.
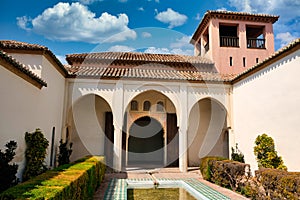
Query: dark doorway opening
x=109 y=139
x=146 y=143
x=172 y=141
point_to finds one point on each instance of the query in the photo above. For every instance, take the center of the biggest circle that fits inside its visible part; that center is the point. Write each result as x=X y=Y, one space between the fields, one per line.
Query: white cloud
x=121 y=48
x=88 y=2
x=74 y=22
x=222 y=9
x=146 y=35
x=285 y=38
x=156 y=50
x=24 y=22
x=183 y=42
x=181 y=47
x=141 y=9
x=171 y=17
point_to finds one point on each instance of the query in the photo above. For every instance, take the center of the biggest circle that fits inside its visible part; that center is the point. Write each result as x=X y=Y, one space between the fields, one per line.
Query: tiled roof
x=134 y=65
x=229 y=15
x=136 y=57
x=293 y=46
x=21 y=68
x=133 y=73
x=13 y=45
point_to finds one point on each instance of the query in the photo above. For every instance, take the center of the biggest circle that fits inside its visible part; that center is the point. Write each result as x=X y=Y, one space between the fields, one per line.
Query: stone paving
x=164 y=173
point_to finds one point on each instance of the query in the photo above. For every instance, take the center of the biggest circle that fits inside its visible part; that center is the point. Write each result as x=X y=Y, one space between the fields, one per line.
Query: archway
x=146 y=143
x=207 y=134
x=90 y=124
x=159 y=109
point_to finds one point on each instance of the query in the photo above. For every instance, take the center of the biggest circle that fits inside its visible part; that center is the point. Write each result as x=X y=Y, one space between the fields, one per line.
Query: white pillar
x=183 y=121
x=118 y=115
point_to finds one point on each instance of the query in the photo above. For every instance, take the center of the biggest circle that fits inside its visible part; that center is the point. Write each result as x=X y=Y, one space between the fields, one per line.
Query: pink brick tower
x=235 y=41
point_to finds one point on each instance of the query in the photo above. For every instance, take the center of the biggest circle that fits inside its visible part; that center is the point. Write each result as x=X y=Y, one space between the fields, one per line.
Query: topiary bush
x=65 y=151
x=279 y=184
x=236 y=154
x=205 y=166
x=265 y=153
x=8 y=171
x=229 y=174
x=35 y=154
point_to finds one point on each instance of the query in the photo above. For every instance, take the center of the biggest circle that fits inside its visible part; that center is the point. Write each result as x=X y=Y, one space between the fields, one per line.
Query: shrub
x=229 y=174
x=78 y=180
x=35 y=154
x=205 y=166
x=265 y=153
x=65 y=151
x=279 y=184
x=8 y=171
x=237 y=155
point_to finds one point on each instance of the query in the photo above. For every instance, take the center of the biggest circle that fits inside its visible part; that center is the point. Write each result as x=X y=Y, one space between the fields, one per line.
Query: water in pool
x=158 y=194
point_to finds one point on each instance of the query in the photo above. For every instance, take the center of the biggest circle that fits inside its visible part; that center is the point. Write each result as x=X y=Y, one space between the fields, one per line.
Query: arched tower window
x=146 y=106
x=160 y=106
x=134 y=105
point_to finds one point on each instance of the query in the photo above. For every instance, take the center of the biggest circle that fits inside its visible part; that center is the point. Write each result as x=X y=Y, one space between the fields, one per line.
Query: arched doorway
x=146 y=143
x=157 y=108
x=90 y=124
x=207 y=133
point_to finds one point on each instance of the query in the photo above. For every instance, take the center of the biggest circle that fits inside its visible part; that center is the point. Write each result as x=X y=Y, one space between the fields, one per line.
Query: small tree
x=35 y=154
x=65 y=151
x=8 y=171
x=265 y=153
x=237 y=155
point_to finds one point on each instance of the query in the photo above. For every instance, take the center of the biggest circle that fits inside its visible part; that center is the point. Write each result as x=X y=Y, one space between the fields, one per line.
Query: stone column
x=118 y=115
x=183 y=121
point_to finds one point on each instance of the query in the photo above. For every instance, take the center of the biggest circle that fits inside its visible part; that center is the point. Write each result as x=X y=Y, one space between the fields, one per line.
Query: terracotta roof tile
x=135 y=56
x=160 y=74
x=16 y=45
x=21 y=68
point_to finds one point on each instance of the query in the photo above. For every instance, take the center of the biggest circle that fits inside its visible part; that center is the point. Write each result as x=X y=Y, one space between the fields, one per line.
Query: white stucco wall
x=269 y=102
x=25 y=107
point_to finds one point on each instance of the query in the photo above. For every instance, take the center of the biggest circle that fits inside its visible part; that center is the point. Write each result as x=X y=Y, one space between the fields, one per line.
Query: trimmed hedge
x=77 y=180
x=226 y=173
x=229 y=174
x=205 y=166
x=279 y=184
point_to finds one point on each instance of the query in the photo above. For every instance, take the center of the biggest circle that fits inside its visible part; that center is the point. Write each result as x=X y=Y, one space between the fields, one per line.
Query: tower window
x=134 y=105
x=146 y=106
x=257 y=60
x=230 y=61
x=244 y=61
x=229 y=36
x=255 y=37
x=160 y=106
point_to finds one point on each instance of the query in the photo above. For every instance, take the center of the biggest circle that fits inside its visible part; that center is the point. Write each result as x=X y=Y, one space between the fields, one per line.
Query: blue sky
x=153 y=26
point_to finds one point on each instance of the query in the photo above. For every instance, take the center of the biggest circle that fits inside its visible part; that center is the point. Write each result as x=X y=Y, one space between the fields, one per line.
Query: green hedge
x=205 y=166
x=77 y=180
x=229 y=173
x=279 y=184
